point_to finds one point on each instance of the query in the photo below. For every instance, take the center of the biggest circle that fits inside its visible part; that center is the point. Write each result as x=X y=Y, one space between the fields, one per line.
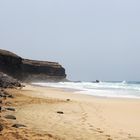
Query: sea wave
x=121 y=89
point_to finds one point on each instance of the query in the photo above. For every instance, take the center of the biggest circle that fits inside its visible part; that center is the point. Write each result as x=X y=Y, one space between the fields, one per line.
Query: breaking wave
x=121 y=89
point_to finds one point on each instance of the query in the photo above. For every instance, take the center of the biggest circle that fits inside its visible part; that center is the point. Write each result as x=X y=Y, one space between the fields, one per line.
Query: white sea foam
x=102 y=89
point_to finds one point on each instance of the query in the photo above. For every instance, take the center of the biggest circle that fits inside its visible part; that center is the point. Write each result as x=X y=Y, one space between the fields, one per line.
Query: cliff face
x=30 y=70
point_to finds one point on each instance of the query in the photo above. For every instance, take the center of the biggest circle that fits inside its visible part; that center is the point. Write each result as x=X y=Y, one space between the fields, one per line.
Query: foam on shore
x=102 y=89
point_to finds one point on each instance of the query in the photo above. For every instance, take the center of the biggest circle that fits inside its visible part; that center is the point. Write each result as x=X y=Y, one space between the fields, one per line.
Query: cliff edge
x=30 y=70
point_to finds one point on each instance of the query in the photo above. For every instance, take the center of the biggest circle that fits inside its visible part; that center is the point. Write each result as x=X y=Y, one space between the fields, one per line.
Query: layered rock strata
x=30 y=70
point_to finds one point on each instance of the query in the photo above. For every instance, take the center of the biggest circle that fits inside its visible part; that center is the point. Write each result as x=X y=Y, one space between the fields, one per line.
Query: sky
x=91 y=39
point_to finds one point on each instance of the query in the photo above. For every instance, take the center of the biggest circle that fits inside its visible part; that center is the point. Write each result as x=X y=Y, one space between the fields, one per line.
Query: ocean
x=121 y=89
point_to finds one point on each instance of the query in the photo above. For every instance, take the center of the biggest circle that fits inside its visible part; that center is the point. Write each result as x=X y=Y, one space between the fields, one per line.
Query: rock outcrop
x=30 y=70
x=8 y=82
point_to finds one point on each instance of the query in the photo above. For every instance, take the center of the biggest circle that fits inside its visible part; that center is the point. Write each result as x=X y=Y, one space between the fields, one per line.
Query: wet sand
x=52 y=113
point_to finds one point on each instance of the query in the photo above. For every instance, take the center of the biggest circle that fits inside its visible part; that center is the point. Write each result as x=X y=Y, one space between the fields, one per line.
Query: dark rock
x=9 y=62
x=4 y=94
x=10 y=117
x=10 y=108
x=97 y=81
x=10 y=96
x=2 y=90
x=2 y=108
x=30 y=70
x=18 y=125
x=68 y=100
x=1 y=127
x=7 y=82
x=60 y=112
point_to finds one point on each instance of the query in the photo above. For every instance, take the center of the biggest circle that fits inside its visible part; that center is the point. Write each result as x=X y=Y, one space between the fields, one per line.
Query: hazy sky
x=92 y=39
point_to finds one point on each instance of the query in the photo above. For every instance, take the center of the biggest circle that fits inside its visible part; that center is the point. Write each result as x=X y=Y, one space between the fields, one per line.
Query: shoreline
x=78 y=92
x=56 y=114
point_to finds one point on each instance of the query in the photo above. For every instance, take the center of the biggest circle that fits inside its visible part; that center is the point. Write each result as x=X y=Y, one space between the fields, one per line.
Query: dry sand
x=84 y=117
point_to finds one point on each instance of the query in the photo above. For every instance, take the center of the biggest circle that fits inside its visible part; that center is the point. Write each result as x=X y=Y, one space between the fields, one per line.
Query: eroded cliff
x=30 y=70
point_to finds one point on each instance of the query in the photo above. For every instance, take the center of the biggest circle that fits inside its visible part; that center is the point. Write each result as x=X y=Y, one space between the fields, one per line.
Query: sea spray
x=103 y=89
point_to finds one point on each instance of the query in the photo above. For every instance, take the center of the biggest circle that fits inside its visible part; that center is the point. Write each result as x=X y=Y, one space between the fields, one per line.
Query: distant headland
x=30 y=70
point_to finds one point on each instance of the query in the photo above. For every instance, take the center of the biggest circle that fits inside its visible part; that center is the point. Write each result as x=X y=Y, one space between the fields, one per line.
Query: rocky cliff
x=30 y=70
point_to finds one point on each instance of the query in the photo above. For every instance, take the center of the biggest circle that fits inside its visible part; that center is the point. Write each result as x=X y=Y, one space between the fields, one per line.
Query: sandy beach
x=59 y=114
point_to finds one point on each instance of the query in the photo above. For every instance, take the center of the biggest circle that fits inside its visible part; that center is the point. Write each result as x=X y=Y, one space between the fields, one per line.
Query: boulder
x=60 y=112
x=97 y=81
x=7 y=82
x=10 y=117
x=18 y=125
x=10 y=108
